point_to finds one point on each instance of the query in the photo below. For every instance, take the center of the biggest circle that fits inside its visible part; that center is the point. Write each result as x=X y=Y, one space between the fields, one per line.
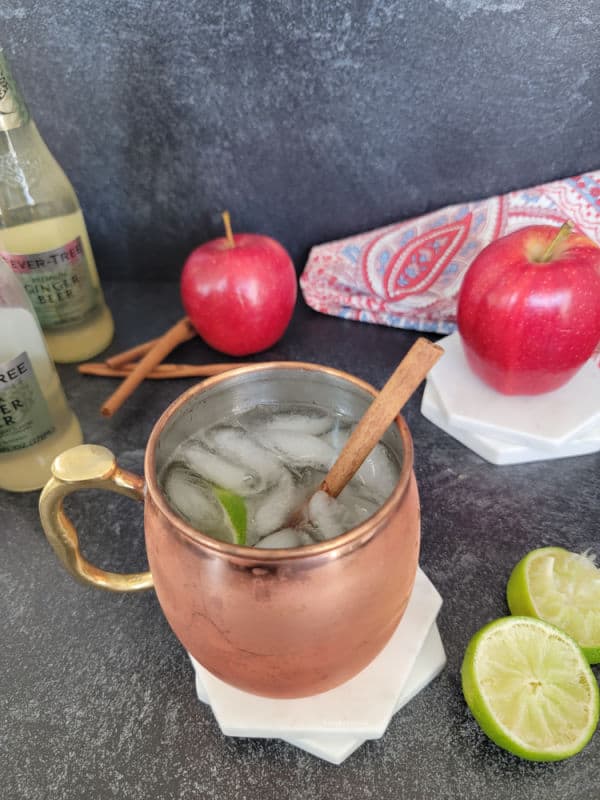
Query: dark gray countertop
x=97 y=696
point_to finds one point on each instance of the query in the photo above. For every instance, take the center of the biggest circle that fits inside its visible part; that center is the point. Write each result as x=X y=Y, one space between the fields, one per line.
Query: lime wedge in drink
x=562 y=588
x=235 y=512
x=530 y=688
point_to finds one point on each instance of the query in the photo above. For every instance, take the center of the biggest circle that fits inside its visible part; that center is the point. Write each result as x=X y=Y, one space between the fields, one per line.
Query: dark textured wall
x=309 y=119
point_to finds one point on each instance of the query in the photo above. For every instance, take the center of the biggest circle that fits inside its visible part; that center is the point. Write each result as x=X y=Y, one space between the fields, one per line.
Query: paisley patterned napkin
x=408 y=275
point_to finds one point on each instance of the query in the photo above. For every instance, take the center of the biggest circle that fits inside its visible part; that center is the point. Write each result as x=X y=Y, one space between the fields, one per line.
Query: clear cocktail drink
x=242 y=479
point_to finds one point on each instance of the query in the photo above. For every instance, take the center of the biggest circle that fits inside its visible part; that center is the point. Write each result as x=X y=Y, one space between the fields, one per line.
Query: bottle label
x=13 y=112
x=24 y=415
x=57 y=282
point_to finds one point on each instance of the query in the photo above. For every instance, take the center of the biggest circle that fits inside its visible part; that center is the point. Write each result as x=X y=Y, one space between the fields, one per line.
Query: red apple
x=529 y=309
x=239 y=298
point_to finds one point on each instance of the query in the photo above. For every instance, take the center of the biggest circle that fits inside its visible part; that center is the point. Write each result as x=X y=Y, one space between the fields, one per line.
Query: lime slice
x=235 y=510
x=562 y=588
x=530 y=688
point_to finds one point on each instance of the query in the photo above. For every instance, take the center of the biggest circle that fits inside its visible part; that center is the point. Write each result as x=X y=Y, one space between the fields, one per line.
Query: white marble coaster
x=333 y=724
x=500 y=450
x=543 y=422
x=335 y=748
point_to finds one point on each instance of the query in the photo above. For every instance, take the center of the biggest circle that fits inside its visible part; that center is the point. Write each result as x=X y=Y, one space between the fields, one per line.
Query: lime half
x=235 y=511
x=530 y=688
x=562 y=588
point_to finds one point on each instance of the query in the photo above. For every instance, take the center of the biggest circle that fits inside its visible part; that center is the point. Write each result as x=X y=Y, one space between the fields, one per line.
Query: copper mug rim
x=353 y=538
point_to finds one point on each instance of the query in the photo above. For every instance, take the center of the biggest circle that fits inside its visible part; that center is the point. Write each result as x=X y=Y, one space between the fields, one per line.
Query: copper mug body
x=277 y=623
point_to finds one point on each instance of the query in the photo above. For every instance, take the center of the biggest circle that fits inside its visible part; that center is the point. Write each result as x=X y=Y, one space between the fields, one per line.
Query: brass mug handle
x=87 y=466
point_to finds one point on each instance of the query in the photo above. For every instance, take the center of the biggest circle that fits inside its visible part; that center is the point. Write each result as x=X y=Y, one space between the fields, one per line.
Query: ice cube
x=306 y=536
x=237 y=445
x=358 y=506
x=286 y=537
x=300 y=449
x=313 y=423
x=193 y=499
x=329 y=517
x=216 y=469
x=378 y=472
x=337 y=437
x=268 y=511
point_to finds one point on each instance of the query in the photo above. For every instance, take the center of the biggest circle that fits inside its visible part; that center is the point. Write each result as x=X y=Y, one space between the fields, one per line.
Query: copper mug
x=277 y=623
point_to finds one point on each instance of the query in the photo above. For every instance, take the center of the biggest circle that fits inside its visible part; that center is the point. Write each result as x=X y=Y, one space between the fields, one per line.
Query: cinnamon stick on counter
x=128 y=356
x=160 y=372
x=133 y=354
x=160 y=349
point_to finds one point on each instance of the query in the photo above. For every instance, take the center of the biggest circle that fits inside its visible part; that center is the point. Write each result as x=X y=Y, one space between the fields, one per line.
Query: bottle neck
x=13 y=110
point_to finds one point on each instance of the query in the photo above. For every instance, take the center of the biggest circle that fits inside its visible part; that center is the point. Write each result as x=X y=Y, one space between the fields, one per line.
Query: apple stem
x=563 y=232
x=228 y=232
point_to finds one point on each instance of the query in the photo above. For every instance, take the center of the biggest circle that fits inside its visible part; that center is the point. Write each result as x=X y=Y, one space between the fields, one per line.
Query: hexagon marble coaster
x=501 y=451
x=333 y=724
x=509 y=430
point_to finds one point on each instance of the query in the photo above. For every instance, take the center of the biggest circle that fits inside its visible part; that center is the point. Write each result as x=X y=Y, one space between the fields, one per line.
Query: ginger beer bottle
x=43 y=237
x=36 y=423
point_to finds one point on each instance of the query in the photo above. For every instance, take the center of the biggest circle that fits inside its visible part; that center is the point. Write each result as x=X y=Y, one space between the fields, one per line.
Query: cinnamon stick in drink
x=381 y=413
